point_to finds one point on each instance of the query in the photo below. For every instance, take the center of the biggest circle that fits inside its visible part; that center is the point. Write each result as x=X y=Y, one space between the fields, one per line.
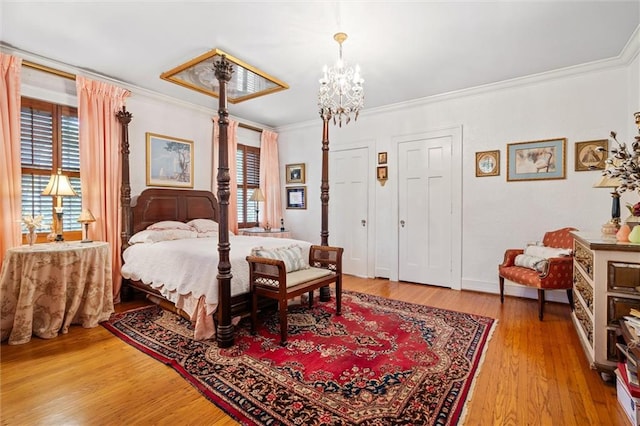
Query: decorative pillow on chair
x=536 y=263
x=547 y=252
x=291 y=256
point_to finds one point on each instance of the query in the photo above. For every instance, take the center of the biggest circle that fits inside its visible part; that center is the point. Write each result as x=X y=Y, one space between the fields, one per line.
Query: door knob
x=363 y=222
x=402 y=223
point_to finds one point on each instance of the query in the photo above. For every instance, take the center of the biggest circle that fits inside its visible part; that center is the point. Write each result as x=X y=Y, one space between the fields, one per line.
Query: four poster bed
x=205 y=301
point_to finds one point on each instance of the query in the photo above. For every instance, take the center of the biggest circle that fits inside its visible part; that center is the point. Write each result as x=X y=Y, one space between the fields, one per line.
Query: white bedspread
x=184 y=271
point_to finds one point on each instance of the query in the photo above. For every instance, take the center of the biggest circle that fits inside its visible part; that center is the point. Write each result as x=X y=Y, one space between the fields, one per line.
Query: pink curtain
x=10 y=165
x=270 y=178
x=100 y=164
x=232 y=146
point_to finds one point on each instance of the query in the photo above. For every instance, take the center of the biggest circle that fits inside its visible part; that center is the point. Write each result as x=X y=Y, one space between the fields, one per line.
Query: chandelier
x=341 y=93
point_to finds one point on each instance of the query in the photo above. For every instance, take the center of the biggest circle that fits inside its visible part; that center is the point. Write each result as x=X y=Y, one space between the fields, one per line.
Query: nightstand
x=259 y=232
x=44 y=288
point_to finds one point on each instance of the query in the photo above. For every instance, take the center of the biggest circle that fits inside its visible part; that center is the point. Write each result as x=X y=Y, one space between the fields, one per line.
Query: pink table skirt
x=45 y=288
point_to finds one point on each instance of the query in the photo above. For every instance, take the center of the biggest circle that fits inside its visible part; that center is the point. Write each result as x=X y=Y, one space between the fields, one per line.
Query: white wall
x=579 y=105
x=496 y=214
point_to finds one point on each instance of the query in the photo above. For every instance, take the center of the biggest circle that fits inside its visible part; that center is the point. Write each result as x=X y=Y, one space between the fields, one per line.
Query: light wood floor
x=534 y=373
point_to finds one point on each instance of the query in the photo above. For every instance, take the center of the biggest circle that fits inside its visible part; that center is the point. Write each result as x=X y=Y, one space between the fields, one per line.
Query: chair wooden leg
x=311 y=299
x=339 y=295
x=570 y=297
x=282 y=307
x=501 y=289
x=254 y=311
x=540 y=303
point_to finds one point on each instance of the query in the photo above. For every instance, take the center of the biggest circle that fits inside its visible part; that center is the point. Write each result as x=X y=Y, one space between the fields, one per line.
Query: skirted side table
x=44 y=288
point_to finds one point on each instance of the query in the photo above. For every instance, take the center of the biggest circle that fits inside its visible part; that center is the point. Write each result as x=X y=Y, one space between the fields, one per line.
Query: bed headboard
x=155 y=204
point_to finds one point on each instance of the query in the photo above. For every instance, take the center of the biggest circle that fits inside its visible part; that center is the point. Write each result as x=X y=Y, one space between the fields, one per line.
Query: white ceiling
x=406 y=50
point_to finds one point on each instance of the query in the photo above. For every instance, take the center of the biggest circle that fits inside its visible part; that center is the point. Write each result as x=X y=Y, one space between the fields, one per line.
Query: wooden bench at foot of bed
x=269 y=278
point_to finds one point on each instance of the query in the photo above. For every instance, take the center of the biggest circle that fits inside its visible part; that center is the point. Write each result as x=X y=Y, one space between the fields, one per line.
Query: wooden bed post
x=224 y=331
x=125 y=186
x=325 y=292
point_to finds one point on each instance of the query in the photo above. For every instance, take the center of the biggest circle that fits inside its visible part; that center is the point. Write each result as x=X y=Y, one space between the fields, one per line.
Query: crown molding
x=627 y=55
x=135 y=90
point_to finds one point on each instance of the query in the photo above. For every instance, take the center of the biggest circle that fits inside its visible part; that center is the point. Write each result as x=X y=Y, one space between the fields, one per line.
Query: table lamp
x=610 y=228
x=257 y=196
x=85 y=219
x=59 y=186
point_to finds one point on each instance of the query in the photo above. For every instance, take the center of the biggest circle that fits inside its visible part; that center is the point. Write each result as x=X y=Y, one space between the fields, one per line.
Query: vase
x=31 y=237
x=623 y=233
x=634 y=235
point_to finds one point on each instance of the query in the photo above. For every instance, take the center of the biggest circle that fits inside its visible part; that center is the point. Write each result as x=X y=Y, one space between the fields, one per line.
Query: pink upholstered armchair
x=557 y=274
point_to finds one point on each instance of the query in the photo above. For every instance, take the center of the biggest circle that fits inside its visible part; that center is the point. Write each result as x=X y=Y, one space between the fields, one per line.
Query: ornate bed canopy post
x=325 y=113
x=324 y=185
x=224 y=332
x=124 y=117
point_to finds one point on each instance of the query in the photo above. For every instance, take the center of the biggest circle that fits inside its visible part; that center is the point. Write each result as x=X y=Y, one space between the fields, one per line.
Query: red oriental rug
x=382 y=362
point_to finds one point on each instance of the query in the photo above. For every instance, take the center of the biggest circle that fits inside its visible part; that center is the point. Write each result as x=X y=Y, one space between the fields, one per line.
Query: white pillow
x=546 y=252
x=203 y=225
x=539 y=264
x=155 y=236
x=291 y=256
x=211 y=234
x=169 y=224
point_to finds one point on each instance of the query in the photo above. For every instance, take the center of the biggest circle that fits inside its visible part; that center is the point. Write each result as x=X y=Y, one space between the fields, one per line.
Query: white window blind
x=49 y=139
x=248 y=179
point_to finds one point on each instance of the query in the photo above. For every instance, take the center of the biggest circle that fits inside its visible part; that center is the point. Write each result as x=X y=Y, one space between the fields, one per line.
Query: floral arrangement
x=634 y=209
x=624 y=163
x=32 y=222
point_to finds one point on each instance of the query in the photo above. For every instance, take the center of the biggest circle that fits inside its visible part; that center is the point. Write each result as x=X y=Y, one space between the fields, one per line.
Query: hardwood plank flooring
x=534 y=373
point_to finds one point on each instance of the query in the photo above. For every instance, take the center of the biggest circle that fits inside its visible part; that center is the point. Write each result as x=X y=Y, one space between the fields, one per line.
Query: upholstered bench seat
x=275 y=274
x=306 y=275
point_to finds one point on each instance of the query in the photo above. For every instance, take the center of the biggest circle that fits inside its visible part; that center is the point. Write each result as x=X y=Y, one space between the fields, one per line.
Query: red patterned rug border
x=458 y=416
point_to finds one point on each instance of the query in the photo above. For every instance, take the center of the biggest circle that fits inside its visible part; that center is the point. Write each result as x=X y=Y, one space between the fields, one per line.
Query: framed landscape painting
x=169 y=161
x=537 y=160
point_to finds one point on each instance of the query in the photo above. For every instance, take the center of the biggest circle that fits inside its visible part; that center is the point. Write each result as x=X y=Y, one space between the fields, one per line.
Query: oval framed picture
x=487 y=163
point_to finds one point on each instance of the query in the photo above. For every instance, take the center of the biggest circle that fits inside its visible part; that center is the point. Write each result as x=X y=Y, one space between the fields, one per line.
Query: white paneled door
x=348 y=206
x=424 y=210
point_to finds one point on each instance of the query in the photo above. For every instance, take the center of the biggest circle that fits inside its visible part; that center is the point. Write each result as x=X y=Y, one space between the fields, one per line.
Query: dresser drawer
x=623 y=277
x=582 y=286
x=584 y=257
x=584 y=320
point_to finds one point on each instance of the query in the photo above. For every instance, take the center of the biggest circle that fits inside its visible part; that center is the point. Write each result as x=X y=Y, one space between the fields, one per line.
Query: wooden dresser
x=606 y=284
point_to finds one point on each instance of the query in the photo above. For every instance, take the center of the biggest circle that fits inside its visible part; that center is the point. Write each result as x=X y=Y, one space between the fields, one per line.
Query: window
x=248 y=179
x=49 y=140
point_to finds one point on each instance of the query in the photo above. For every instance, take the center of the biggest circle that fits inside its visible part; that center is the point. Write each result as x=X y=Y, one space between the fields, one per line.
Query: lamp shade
x=607 y=182
x=59 y=186
x=257 y=195
x=86 y=216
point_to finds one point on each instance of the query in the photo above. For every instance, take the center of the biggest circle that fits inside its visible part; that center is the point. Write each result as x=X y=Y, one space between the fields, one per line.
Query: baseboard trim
x=513 y=289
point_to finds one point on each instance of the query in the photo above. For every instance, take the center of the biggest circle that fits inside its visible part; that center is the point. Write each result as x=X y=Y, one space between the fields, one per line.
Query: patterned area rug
x=382 y=362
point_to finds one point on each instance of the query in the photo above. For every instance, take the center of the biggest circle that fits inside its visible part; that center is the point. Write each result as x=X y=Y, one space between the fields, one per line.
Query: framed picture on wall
x=382 y=158
x=295 y=173
x=169 y=161
x=591 y=155
x=297 y=197
x=487 y=163
x=537 y=160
